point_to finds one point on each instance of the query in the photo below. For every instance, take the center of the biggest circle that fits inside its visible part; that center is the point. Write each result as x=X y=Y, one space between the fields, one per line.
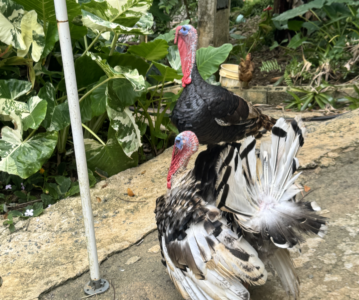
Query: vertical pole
x=74 y=106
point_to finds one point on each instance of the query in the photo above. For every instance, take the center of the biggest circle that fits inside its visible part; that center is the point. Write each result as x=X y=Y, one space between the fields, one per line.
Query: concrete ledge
x=277 y=95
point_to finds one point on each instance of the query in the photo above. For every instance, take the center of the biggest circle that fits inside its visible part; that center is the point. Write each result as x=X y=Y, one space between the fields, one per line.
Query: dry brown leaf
x=306 y=189
x=102 y=187
x=129 y=192
x=98 y=199
x=5 y=216
x=143 y=172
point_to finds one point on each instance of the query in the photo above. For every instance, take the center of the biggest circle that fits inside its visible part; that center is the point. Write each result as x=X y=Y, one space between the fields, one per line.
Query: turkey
x=213 y=113
x=221 y=222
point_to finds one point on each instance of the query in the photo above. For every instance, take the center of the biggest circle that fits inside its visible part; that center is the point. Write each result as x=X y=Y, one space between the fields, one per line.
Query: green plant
x=270 y=66
x=255 y=7
x=353 y=101
x=122 y=97
x=312 y=97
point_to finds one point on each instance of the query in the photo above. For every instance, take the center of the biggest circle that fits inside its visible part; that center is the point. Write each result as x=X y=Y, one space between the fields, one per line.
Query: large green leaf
x=10 y=19
x=33 y=35
x=13 y=88
x=24 y=158
x=117 y=15
x=35 y=113
x=137 y=81
x=154 y=50
x=51 y=37
x=300 y=10
x=57 y=115
x=87 y=71
x=127 y=133
x=167 y=73
x=129 y=61
x=11 y=110
x=208 y=59
x=121 y=94
x=174 y=58
x=109 y=158
x=45 y=9
x=98 y=99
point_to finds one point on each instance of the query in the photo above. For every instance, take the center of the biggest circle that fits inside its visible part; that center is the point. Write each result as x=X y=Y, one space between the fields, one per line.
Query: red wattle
x=186 y=60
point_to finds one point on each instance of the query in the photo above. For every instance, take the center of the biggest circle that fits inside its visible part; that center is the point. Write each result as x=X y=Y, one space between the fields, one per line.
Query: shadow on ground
x=328 y=268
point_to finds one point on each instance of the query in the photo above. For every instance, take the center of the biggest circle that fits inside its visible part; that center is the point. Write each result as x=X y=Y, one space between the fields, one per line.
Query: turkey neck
x=195 y=76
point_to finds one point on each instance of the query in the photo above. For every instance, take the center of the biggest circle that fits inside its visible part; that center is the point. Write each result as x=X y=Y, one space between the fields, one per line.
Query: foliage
x=353 y=101
x=327 y=45
x=255 y=7
x=270 y=66
x=314 y=96
x=122 y=97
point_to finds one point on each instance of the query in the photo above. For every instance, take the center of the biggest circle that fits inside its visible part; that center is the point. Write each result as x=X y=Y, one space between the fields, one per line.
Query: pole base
x=96 y=287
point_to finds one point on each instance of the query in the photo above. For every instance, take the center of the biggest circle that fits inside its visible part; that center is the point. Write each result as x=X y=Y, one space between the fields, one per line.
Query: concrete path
x=47 y=251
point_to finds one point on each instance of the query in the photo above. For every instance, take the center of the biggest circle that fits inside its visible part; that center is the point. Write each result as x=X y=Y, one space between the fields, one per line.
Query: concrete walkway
x=50 y=250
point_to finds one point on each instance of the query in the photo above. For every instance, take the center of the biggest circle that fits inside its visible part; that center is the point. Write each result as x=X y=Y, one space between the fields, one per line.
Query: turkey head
x=186 y=38
x=186 y=144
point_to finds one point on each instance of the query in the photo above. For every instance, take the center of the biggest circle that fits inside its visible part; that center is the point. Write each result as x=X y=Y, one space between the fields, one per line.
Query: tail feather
x=261 y=192
x=283 y=264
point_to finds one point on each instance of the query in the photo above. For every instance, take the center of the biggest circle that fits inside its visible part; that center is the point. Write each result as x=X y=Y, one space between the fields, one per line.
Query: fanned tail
x=261 y=191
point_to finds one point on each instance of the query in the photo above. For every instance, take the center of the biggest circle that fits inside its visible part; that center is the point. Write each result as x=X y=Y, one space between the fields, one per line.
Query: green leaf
x=295 y=25
x=45 y=9
x=167 y=73
x=154 y=50
x=168 y=37
x=159 y=134
x=87 y=71
x=99 y=98
x=300 y=10
x=311 y=26
x=92 y=178
x=208 y=59
x=38 y=209
x=10 y=18
x=25 y=158
x=137 y=81
x=64 y=183
x=47 y=200
x=85 y=110
x=77 y=32
x=127 y=133
x=121 y=94
x=33 y=36
x=60 y=117
x=20 y=195
x=174 y=58
x=47 y=93
x=109 y=158
x=12 y=228
x=36 y=113
x=13 y=88
x=129 y=61
x=51 y=37
x=119 y=16
x=296 y=41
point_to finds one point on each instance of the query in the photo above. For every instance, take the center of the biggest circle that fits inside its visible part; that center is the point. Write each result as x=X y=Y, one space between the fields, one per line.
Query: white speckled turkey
x=220 y=222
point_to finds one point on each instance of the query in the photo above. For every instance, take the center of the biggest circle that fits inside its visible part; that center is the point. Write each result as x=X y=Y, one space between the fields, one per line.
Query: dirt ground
x=328 y=268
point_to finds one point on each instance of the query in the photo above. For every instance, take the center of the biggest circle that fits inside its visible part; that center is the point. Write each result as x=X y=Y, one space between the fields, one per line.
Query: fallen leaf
x=5 y=216
x=98 y=199
x=132 y=260
x=143 y=172
x=154 y=249
x=306 y=189
x=102 y=187
x=130 y=193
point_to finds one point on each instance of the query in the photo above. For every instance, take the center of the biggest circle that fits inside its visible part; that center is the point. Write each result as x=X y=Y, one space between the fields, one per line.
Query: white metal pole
x=80 y=155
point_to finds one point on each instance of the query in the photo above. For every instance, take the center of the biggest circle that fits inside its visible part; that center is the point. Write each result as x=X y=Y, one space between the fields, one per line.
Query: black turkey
x=213 y=113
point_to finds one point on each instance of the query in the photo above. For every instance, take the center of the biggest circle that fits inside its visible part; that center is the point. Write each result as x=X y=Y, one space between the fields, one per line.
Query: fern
x=270 y=65
x=288 y=78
